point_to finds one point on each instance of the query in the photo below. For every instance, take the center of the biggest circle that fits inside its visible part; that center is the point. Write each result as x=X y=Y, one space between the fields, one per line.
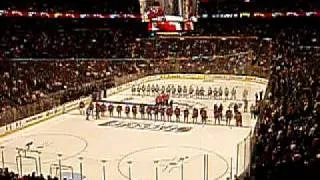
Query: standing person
x=119 y=110
x=177 y=113
x=220 y=110
x=81 y=108
x=216 y=114
x=203 y=114
x=234 y=93
x=195 y=115
x=220 y=93
x=228 y=116
x=186 y=115
x=134 y=111
x=156 y=111
x=226 y=93
x=141 y=110
x=169 y=113
x=110 y=109
x=88 y=113
x=97 y=111
x=238 y=118
x=127 y=111
x=257 y=98
x=149 y=112
x=103 y=109
x=91 y=107
x=162 y=111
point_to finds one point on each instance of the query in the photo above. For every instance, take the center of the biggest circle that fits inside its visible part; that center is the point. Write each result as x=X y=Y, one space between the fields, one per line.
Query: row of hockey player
x=184 y=91
x=162 y=113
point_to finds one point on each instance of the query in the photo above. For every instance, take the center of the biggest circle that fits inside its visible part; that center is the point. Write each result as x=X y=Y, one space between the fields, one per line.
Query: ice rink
x=131 y=153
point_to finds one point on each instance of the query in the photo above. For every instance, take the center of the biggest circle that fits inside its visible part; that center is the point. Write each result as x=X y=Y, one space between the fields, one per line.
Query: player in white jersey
x=215 y=93
x=185 y=91
x=133 y=90
x=233 y=94
x=191 y=91
x=148 y=89
x=226 y=93
x=220 y=93
x=209 y=93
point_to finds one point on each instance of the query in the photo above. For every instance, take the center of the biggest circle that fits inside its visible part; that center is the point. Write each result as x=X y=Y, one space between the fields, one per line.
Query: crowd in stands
x=80 y=6
x=287 y=137
x=233 y=6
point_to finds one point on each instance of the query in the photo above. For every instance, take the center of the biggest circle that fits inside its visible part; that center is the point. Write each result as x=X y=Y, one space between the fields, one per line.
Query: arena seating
x=287 y=138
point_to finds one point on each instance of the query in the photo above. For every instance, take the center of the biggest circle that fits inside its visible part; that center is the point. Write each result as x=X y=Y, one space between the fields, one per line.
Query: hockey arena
x=144 y=147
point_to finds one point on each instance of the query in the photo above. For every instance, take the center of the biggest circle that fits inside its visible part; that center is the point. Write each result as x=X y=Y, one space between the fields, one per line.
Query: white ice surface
x=72 y=136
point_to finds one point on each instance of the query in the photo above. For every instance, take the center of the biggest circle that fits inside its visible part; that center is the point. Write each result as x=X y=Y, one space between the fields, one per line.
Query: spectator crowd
x=45 y=61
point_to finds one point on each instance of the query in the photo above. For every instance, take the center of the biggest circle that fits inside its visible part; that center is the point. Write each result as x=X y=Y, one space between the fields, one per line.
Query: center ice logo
x=147 y=126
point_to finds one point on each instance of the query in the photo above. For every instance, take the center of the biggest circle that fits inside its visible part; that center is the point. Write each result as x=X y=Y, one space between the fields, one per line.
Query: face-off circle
x=169 y=162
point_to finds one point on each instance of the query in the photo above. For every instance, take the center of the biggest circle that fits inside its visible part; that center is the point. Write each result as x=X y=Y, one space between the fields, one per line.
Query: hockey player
x=179 y=91
x=81 y=107
x=163 y=88
x=127 y=110
x=134 y=111
x=103 y=109
x=203 y=114
x=228 y=116
x=162 y=111
x=143 y=89
x=173 y=91
x=88 y=113
x=191 y=91
x=97 y=111
x=201 y=92
x=168 y=89
x=157 y=89
x=216 y=114
x=155 y=112
x=169 y=113
x=186 y=116
x=197 y=92
x=148 y=89
x=185 y=91
x=133 y=89
x=215 y=93
x=141 y=110
x=236 y=107
x=149 y=112
x=233 y=94
x=209 y=92
x=91 y=107
x=195 y=115
x=226 y=93
x=119 y=110
x=177 y=113
x=238 y=118
x=220 y=110
x=138 y=90
x=110 y=109
x=220 y=93
x=153 y=89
